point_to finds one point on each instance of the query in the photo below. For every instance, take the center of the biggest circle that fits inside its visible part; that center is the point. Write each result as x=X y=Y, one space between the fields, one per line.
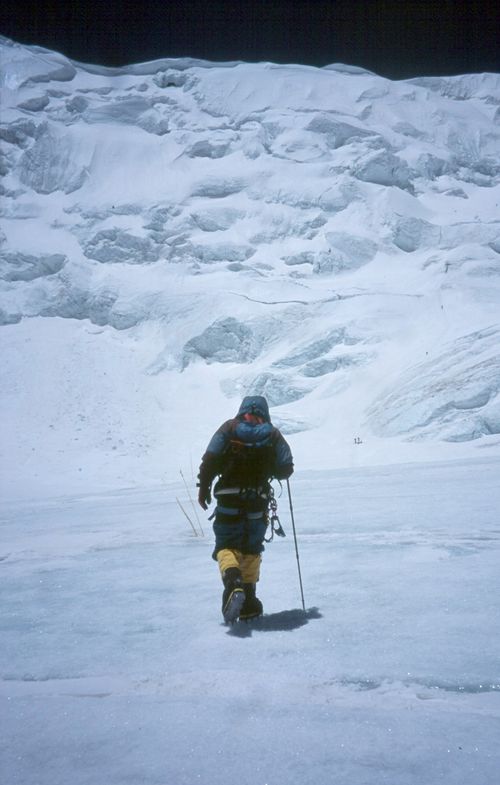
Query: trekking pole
x=296 y=546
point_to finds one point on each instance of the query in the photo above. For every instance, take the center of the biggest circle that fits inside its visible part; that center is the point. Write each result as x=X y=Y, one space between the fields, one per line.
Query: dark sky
x=395 y=39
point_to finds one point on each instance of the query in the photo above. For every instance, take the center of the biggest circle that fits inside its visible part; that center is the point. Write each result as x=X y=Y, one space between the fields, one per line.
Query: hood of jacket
x=255 y=404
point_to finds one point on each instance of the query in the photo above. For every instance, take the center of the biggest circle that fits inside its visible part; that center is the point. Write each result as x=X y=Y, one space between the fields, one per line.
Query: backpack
x=249 y=458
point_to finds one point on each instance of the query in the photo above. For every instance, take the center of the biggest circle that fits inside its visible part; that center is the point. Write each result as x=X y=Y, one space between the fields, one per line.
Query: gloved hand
x=284 y=471
x=204 y=497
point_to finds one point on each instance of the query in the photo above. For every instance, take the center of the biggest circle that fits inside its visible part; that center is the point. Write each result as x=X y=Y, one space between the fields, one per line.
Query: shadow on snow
x=274 y=622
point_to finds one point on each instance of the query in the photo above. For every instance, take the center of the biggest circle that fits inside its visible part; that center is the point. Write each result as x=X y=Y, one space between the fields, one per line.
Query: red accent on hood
x=253 y=418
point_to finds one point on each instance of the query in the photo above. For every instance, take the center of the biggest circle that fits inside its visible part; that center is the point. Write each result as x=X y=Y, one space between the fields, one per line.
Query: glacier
x=173 y=232
x=174 y=235
x=115 y=667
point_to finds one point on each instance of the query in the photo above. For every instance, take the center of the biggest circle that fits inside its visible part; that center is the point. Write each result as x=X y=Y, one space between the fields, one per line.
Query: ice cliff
x=179 y=233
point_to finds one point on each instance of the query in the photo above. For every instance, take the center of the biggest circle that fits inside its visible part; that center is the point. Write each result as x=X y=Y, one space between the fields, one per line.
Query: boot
x=252 y=607
x=233 y=596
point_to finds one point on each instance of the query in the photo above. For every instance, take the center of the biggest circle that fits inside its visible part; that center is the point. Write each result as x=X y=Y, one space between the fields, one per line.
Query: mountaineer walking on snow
x=245 y=453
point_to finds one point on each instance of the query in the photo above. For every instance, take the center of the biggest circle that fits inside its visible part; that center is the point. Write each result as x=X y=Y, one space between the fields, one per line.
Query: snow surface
x=116 y=667
x=175 y=235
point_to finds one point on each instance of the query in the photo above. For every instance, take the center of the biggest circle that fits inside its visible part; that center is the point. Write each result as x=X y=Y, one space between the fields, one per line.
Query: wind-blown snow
x=206 y=224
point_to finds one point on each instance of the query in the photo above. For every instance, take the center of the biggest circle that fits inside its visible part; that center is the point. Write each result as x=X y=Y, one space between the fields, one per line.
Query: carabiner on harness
x=274 y=521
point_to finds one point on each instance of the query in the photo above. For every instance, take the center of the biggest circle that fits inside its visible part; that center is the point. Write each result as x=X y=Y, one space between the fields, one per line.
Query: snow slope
x=176 y=234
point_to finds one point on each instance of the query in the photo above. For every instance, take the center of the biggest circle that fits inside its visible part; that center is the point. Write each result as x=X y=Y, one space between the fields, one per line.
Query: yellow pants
x=248 y=563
